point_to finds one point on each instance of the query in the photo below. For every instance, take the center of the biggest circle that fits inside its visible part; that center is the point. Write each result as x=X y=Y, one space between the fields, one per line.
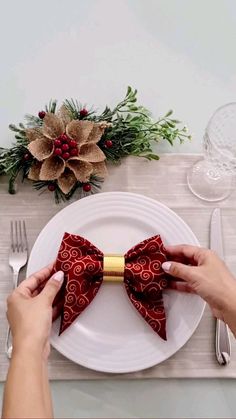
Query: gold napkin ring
x=113 y=267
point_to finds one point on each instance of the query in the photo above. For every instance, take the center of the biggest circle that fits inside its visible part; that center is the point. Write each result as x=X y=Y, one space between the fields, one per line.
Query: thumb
x=53 y=286
x=178 y=270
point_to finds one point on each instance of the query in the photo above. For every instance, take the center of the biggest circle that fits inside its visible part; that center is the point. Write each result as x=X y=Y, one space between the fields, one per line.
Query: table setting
x=139 y=206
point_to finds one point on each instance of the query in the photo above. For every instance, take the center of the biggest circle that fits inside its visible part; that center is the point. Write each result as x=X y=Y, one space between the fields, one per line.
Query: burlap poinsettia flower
x=66 y=150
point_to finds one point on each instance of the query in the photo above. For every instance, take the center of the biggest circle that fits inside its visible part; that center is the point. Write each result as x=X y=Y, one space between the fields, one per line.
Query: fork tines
x=18 y=236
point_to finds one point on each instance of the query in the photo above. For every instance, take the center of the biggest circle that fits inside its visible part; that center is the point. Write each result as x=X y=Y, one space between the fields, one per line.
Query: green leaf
x=129 y=90
x=169 y=113
x=133 y=108
x=151 y=156
x=170 y=124
x=169 y=140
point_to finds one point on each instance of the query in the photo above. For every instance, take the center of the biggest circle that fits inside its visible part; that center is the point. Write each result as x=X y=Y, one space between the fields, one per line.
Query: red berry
x=74 y=151
x=41 y=114
x=86 y=187
x=58 y=151
x=64 y=138
x=72 y=143
x=51 y=187
x=108 y=143
x=66 y=155
x=57 y=142
x=26 y=156
x=65 y=147
x=83 y=112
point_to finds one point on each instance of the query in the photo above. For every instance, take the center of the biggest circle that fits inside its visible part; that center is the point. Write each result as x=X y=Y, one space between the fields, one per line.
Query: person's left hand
x=30 y=312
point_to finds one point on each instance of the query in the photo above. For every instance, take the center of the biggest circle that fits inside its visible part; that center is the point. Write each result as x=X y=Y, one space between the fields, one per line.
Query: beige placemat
x=164 y=181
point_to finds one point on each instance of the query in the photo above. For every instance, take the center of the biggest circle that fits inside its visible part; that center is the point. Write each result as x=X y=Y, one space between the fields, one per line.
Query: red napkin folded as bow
x=144 y=279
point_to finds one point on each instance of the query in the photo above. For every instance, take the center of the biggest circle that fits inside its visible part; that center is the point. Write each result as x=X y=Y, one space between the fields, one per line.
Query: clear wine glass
x=211 y=178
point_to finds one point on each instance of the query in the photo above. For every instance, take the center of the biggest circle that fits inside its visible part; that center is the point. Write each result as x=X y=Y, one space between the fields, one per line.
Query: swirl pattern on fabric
x=144 y=279
x=82 y=264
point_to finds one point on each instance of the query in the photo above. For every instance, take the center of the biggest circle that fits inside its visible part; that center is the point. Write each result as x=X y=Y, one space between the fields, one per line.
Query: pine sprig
x=3 y=153
x=74 y=107
x=33 y=121
x=51 y=107
x=19 y=131
x=12 y=162
x=95 y=182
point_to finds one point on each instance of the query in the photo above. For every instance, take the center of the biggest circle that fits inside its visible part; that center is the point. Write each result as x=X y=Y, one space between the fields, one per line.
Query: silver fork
x=18 y=256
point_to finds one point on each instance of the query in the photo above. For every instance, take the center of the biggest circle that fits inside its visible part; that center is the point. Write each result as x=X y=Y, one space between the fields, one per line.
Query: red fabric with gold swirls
x=144 y=279
x=82 y=264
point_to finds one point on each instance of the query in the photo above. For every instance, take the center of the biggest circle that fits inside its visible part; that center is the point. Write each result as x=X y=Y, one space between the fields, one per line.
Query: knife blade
x=223 y=346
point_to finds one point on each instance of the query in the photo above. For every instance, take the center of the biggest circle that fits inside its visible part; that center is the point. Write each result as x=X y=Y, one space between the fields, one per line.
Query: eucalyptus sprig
x=133 y=129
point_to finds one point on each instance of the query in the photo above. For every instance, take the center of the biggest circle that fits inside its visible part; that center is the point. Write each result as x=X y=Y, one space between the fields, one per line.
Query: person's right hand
x=205 y=274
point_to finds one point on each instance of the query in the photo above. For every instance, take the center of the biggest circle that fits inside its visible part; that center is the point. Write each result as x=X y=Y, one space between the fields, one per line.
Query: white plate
x=110 y=335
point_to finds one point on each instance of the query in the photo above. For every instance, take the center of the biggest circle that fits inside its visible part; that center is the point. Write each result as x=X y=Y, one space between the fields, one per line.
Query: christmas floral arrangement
x=66 y=150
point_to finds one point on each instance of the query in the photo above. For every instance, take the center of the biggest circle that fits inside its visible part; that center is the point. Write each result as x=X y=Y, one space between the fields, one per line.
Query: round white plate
x=110 y=335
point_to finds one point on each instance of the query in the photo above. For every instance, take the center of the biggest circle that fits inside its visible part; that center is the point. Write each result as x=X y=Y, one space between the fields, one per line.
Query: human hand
x=30 y=311
x=206 y=275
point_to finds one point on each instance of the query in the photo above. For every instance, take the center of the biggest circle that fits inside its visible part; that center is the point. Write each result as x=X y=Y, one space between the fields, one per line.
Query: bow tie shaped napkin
x=85 y=267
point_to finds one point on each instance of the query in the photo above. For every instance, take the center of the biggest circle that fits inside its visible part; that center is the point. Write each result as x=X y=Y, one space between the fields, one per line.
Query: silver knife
x=223 y=346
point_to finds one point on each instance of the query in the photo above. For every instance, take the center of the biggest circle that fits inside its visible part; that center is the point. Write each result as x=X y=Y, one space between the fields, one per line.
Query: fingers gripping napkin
x=85 y=266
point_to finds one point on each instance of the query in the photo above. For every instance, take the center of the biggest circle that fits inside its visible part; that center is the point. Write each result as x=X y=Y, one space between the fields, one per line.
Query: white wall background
x=180 y=54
